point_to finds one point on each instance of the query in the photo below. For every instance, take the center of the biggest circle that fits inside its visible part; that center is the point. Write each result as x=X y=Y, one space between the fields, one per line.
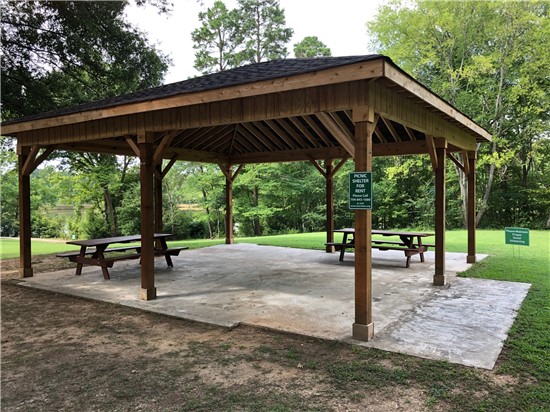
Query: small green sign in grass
x=516 y=236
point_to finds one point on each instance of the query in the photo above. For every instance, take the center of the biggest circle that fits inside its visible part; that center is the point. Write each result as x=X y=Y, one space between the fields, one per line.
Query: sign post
x=360 y=190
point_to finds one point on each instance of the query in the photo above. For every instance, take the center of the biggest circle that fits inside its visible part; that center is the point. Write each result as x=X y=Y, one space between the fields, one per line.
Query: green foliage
x=490 y=60
x=311 y=47
x=57 y=54
x=264 y=29
x=217 y=39
x=253 y=32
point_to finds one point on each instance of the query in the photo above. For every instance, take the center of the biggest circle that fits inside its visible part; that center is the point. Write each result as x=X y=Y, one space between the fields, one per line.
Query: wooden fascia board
x=398 y=77
x=400 y=109
x=342 y=74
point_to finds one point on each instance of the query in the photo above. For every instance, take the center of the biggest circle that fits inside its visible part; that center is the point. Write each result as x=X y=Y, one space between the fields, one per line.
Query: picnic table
x=406 y=242
x=97 y=252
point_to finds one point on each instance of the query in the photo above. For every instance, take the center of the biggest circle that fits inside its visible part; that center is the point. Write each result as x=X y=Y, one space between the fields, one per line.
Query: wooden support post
x=230 y=176
x=158 y=199
x=25 y=262
x=363 y=328
x=148 y=290
x=471 y=206
x=440 y=149
x=229 y=239
x=329 y=192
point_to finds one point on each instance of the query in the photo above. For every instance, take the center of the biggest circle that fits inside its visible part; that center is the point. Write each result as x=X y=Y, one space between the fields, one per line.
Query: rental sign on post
x=360 y=190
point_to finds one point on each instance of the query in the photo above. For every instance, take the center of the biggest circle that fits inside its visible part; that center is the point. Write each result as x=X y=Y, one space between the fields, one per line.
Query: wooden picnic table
x=93 y=251
x=406 y=243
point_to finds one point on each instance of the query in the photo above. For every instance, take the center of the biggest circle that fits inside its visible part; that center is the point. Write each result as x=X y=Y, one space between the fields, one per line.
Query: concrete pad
x=312 y=293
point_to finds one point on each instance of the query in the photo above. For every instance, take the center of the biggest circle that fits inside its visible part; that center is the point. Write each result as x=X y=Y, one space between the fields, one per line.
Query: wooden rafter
x=337 y=132
x=320 y=132
x=380 y=135
x=432 y=152
x=292 y=133
x=304 y=130
x=410 y=133
x=391 y=129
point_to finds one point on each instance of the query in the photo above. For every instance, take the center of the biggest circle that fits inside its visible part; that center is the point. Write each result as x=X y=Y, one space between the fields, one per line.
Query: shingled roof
x=241 y=75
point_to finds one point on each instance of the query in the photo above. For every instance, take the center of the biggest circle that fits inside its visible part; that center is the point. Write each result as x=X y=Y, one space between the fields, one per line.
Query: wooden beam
x=171 y=163
x=25 y=256
x=410 y=133
x=363 y=328
x=132 y=145
x=465 y=157
x=337 y=133
x=165 y=142
x=432 y=152
x=318 y=130
x=319 y=168
x=457 y=162
x=328 y=173
x=148 y=289
x=440 y=191
x=391 y=129
x=470 y=159
x=340 y=164
x=399 y=149
x=28 y=167
x=290 y=155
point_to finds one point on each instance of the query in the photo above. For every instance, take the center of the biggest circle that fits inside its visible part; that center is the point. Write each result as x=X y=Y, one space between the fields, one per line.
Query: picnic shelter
x=323 y=110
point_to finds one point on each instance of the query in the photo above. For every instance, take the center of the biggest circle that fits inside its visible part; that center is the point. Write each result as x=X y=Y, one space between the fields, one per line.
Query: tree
x=310 y=47
x=486 y=58
x=264 y=30
x=57 y=54
x=217 y=39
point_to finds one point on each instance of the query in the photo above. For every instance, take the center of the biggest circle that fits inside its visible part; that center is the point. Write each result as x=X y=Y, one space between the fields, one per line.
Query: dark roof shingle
x=241 y=75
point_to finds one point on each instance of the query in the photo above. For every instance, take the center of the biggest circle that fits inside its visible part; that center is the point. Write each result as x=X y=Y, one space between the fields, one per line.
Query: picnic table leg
x=101 y=257
x=421 y=248
x=168 y=258
x=82 y=254
x=343 y=249
x=105 y=273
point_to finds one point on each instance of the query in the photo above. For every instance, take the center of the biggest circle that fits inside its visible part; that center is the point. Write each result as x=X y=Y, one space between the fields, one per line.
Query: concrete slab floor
x=312 y=293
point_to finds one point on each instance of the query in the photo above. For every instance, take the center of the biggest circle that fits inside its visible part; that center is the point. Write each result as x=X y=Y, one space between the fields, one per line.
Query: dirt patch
x=65 y=353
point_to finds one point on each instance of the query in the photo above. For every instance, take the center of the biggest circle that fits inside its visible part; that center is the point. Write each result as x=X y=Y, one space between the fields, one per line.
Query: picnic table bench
x=93 y=251
x=406 y=242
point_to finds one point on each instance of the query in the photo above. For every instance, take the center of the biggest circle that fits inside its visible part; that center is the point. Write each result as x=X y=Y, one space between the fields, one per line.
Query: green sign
x=360 y=190
x=516 y=236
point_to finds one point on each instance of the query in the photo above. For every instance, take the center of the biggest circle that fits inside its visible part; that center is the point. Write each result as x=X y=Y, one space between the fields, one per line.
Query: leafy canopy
x=56 y=54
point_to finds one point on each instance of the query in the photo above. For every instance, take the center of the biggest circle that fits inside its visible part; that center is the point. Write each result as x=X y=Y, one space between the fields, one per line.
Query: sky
x=339 y=24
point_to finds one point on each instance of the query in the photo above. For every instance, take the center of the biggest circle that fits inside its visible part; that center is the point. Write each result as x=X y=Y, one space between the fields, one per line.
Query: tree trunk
x=463 y=184
x=487 y=192
x=210 y=234
x=256 y=222
x=110 y=211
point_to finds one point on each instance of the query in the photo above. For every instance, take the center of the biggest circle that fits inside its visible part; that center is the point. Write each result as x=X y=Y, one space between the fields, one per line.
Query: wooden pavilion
x=324 y=109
